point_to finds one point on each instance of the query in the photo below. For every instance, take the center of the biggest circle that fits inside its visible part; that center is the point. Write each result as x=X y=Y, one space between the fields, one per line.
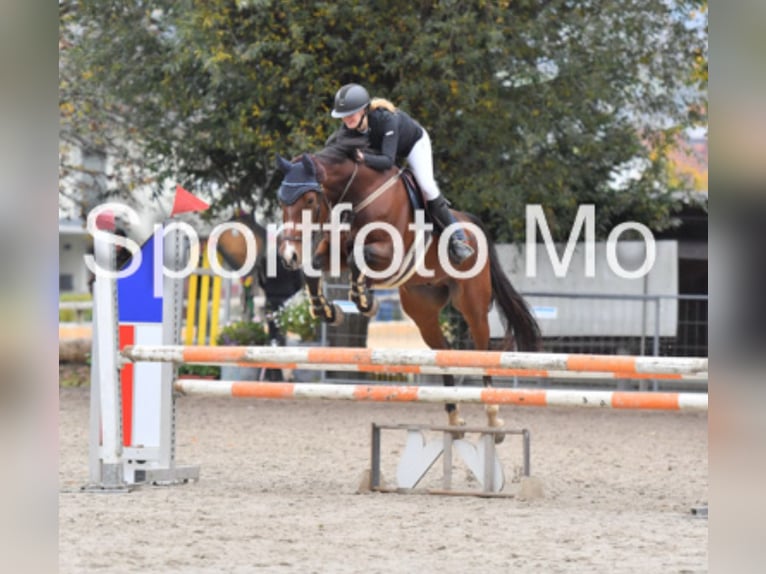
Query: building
x=74 y=243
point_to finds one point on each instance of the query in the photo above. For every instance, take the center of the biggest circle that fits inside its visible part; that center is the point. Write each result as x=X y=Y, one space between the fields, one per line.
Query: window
x=66 y=282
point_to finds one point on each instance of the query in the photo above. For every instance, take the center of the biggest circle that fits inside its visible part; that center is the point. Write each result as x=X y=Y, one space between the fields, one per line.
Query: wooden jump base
x=447 y=362
x=387 y=393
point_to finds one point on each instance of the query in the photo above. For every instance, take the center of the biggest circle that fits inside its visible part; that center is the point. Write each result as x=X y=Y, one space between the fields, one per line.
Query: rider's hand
x=359 y=156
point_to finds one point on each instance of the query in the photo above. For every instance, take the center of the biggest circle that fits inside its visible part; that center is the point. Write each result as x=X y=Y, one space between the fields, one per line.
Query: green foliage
x=526 y=102
x=200 y=370
x=63 y=297
x=244 y=333
x=455 y=329
x=70 y=315
x=295 y=317
x=69 y=382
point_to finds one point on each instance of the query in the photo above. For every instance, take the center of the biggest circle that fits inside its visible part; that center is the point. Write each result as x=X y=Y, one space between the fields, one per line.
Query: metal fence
x=682 y=334
x=676 y=329
x=654 y=333
x=686 y=336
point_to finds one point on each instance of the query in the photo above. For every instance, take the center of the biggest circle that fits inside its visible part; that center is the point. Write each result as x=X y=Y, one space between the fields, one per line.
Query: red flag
x=185 y=202
x=105 y=221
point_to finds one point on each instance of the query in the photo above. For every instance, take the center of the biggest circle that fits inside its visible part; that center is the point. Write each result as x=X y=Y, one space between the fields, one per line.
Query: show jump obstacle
x=410 y=394
x=136 y=352
x=132 y=422
x=419 y=361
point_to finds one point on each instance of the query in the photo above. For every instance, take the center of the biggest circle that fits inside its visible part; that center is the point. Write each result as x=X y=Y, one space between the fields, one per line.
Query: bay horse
x=318 y=183
x=233 y=249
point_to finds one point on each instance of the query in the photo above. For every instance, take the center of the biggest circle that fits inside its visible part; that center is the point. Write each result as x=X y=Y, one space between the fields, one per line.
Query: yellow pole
x=203 y=300
x=191 y=308
x=215 y=311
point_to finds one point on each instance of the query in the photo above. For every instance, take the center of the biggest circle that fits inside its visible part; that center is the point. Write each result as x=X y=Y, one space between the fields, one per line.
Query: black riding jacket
x=391 y=137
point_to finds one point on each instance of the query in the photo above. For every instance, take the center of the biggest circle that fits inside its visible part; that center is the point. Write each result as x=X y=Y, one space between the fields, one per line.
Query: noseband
x=315 y=217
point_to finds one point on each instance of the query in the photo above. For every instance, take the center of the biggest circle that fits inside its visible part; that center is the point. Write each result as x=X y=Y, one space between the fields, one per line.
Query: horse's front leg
x=320 y=306
x=375 y=257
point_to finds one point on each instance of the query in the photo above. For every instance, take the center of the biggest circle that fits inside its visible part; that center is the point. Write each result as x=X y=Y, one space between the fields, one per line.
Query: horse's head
x=300 y=191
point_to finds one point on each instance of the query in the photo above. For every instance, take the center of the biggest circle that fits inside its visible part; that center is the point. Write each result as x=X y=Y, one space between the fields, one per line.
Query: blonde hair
x=376 y=103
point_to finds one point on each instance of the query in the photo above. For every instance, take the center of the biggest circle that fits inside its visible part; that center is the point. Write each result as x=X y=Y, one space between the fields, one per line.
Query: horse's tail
x=518 y=319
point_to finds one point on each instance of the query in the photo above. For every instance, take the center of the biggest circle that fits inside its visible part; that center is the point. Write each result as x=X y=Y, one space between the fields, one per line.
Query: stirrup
x=458 y=250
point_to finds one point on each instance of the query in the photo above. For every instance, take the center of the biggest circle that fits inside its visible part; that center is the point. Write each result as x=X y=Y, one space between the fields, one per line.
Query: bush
x=200 y=371
x=244 y=333
x=295 y=317
x=70 y=315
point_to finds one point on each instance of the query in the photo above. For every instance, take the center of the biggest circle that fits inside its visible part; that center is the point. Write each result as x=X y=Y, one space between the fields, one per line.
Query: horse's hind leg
x=423 y=304
x=473 y=300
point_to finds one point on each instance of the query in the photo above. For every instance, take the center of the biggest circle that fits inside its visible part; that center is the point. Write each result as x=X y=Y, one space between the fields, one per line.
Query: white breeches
x=422 y=164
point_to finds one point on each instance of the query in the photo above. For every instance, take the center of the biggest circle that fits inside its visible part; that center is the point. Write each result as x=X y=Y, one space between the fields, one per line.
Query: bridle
x=322 y=193
x=315 y=217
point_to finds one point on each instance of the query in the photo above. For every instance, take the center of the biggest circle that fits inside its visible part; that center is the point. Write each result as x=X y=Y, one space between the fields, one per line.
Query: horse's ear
x=283 y=165
x=308 y=164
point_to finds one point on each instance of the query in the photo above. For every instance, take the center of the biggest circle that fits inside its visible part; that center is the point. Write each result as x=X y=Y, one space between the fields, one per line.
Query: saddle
x=413 y=191
x=409 y=264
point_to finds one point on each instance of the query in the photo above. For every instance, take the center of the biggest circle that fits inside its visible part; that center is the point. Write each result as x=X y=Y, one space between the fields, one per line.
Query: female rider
x=393 y=135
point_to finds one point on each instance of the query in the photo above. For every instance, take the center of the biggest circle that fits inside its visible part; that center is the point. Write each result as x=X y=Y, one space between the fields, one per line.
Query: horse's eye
x=309 y=201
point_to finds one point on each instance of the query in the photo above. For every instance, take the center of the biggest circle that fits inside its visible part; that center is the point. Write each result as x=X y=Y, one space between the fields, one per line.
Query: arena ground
x=278 y=493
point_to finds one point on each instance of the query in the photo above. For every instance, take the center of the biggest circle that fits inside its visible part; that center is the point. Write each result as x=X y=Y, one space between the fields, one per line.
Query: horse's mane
x=342 y=146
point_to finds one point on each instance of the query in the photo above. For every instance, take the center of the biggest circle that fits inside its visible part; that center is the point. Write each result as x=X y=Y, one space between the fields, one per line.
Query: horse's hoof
x=338 y=317
x=319 y=313
x=496 y=422
x=373 y=310
x=455 y=420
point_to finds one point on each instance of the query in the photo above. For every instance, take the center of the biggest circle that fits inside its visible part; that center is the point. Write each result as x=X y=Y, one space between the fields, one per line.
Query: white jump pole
x=443 y=360
x=485 y=395
x=105 y=457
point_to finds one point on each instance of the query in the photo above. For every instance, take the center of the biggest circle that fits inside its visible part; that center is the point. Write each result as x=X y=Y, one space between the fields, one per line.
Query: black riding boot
x=459 y=250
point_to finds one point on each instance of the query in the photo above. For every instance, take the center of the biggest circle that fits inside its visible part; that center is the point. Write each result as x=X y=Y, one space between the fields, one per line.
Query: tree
x=526 y=102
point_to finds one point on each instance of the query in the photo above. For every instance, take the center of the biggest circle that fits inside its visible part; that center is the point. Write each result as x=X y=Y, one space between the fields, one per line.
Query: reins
x=370 y=198
x=350 y=181
x=378 y=192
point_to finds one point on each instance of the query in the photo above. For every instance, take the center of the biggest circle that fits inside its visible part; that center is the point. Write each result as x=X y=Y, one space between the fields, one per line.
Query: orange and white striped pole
x=389 y=393
x=426 y=361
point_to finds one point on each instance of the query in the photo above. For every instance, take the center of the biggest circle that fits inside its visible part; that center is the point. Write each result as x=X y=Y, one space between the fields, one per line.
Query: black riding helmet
x=350 y=99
